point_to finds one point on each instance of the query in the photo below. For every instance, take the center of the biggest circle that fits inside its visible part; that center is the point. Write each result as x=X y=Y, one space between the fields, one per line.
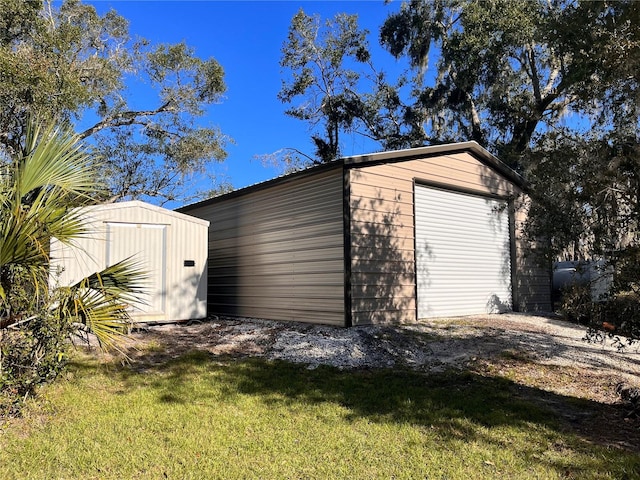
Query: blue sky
x=246 y=37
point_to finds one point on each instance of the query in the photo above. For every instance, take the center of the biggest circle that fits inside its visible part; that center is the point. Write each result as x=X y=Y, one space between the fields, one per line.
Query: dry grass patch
x=592 y=407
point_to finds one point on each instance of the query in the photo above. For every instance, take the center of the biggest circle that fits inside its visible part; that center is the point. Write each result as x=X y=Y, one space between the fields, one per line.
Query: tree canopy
x=320 y=60
x=507 y=72
x=499 y=72
x=67 y=63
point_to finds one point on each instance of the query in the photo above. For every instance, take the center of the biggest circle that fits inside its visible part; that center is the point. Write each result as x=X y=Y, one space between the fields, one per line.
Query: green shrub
x=29 y=356
x=576 y=303
x=616 y=318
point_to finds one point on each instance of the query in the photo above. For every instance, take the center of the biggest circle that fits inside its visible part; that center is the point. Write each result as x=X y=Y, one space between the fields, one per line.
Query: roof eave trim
x=471 y=146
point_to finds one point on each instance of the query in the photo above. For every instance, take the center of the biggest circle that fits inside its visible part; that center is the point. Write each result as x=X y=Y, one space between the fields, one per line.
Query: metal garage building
x=171 y=246
x=387 y=237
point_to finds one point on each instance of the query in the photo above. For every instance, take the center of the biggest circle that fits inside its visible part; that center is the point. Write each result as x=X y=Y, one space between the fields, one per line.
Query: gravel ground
x=433 y=345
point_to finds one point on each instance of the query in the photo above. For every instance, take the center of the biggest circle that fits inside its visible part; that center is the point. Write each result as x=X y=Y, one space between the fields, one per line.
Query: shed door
x=147 y=244
x=463 y=258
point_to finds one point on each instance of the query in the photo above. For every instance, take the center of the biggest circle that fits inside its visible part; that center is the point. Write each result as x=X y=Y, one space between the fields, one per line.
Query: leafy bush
x=616 y=318
x=29 y=356
x=620 y=315
x=576 y=303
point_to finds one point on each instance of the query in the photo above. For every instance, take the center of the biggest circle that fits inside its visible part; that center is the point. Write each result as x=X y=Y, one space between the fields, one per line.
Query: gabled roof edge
x=432 y=150
x=146 y=206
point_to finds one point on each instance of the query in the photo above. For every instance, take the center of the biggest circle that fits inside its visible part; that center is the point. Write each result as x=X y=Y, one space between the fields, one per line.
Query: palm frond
x=127 y=279
x=39 y=192
x=53 y=170
x=54 y=158
x=101 y=301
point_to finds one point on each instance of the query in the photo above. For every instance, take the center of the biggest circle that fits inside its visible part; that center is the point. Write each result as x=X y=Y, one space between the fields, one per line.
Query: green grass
x=199 y=417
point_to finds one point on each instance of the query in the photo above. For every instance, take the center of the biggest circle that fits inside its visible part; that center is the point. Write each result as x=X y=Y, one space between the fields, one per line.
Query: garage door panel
x=462 y=253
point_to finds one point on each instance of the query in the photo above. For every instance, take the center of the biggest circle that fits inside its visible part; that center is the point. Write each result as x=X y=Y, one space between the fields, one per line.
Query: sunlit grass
x=198 y=417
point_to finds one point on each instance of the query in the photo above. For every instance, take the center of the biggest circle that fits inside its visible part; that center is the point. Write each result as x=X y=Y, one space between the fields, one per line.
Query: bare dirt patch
x=537 y=353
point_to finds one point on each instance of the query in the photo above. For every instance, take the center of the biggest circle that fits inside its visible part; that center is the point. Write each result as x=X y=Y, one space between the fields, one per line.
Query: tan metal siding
x=278 y=252
x=382 y=228
x=460 y=170
x=532 y=285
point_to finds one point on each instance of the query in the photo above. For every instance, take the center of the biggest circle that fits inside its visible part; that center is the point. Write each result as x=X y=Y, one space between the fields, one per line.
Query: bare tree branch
x=130 y=117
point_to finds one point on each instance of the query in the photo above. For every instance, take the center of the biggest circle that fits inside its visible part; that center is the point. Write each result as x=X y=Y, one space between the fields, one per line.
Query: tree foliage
x=507 y=71
x=68 y=64
x=49 y=175
x=321 y=60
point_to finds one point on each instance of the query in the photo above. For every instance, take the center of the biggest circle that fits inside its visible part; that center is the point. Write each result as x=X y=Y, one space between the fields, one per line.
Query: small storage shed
x=171 y=246
x=390 y=237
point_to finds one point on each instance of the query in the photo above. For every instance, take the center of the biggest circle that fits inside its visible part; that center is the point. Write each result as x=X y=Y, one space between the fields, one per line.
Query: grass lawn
x=202 y=417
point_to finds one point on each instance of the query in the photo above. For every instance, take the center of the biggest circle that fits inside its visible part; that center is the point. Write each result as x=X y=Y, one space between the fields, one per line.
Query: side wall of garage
x=382 y=229
x=533 y=282
x=277 y=251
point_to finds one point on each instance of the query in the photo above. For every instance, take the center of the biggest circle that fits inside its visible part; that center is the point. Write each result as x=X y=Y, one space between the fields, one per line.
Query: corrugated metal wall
x=162 y=238
x=382 y=230
x=278 y=252
x=532 y=285
x=382 y=263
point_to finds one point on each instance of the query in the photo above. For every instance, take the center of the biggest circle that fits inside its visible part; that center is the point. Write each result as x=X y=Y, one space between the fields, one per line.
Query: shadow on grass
x=458 y=405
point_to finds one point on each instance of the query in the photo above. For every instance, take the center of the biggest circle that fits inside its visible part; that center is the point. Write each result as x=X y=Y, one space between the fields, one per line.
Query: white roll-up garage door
x=463 y=260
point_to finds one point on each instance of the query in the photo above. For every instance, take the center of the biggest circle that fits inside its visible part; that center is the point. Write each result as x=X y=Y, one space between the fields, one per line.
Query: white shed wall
x=161 y=238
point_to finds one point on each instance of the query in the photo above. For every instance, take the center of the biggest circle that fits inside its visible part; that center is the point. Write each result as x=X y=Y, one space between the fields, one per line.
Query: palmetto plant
x=41 y=188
